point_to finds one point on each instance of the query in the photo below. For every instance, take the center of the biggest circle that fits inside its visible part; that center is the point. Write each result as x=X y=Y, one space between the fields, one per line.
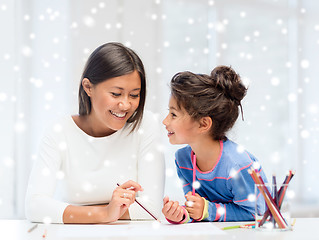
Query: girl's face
x=113 y=102
x=180 y=126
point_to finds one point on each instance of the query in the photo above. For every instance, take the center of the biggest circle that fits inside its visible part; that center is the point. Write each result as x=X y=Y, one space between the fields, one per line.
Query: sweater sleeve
x=40 y=205
x=242 y=207
x=151 y=170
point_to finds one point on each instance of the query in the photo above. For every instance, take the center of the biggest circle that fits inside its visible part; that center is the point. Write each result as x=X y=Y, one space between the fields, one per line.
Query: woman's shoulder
x=61 y=124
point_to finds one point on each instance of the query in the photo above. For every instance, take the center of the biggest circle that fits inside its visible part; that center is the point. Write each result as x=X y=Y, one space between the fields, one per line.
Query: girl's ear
x=205 y=124
x=87 y=86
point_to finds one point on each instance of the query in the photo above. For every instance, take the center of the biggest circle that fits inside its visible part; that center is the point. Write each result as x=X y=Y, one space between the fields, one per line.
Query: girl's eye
x=115 y=94
x=173 y=114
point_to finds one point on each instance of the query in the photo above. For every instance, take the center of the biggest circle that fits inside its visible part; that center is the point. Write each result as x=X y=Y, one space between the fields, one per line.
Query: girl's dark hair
x=217 y=96
x=108 y=61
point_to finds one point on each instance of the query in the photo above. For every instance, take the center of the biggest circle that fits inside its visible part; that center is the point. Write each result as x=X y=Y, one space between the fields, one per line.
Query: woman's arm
x=151 y=170
x=122 y=197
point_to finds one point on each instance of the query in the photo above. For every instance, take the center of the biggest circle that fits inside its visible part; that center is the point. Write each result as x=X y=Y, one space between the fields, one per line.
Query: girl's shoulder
x=236 y=155
x=183 y=156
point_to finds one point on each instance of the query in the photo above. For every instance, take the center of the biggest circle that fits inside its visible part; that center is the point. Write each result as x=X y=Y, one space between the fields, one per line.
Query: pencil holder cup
x=272 y=207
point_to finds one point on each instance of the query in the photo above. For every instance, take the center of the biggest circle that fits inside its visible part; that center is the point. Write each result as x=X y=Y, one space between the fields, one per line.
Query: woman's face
x=113 y=102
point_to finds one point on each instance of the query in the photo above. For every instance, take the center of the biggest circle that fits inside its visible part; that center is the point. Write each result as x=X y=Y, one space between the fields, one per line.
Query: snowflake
x=26 y=51
x=304 y=134
x=221 y=211
x=251 y=198
x=275 y=81
x=196 y=184
x=156 y=225
x=87 y=187
x=240 y=149
x=89 y=21
x=292 y=97
x=242 y=14
x=304 y=63
x=149 y=157
x=47 y=220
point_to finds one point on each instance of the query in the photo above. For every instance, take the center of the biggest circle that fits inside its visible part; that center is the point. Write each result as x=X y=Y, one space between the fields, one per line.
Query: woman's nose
x=124 y=104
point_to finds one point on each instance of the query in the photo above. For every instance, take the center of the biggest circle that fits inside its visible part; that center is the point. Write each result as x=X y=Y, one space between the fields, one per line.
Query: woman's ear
x=87 y=86
x=205 y=124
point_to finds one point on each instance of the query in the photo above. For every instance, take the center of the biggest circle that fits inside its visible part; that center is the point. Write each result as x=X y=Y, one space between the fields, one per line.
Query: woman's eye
x=135 y=95
x=116 y=94
x=173 y=114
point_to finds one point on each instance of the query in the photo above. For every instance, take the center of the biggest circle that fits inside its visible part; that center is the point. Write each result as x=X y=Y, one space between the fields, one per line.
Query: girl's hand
x=123 y=196
x=194 y=205
x=172 y=210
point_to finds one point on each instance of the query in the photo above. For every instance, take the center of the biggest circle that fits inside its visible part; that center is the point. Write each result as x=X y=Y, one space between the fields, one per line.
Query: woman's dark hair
x=217 y=96
x=108 y=61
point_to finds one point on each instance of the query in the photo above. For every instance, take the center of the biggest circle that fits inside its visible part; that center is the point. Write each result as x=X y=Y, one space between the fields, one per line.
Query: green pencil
x=231 y=227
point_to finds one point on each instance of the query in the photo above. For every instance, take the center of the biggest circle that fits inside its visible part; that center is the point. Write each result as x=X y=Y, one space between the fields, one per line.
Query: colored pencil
x=239 y=226
x=281 y=195
x=144 y=208
x=267 y=196
x=32 y=228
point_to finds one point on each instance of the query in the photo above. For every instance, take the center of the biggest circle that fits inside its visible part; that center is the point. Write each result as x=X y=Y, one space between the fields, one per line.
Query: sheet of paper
x=139 y=229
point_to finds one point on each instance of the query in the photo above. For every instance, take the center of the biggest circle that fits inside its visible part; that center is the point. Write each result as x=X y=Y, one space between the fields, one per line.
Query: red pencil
x=144 y=208
x=269 y=200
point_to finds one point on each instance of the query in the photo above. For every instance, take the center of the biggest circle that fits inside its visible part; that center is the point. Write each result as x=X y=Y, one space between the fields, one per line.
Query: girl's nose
x=165 y=121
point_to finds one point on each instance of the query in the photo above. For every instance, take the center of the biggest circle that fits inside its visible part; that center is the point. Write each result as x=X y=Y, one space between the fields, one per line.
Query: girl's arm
x=242 y=207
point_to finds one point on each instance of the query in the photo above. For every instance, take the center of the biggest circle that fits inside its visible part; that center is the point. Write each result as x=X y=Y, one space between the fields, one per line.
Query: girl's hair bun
x=229 y=83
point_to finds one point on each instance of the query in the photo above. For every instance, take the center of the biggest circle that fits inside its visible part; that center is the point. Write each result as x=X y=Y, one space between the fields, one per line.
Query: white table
x=304 y=229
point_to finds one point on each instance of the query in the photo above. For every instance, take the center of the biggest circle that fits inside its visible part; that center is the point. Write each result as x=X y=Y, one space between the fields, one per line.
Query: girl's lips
x=170 y=134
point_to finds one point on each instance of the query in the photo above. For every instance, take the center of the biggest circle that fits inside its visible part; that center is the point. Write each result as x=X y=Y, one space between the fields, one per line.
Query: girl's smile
x=180 y=126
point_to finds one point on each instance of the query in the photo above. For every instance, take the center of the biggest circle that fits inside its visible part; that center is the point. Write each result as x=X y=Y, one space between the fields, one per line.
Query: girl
x=212 y=168
x=83 y=157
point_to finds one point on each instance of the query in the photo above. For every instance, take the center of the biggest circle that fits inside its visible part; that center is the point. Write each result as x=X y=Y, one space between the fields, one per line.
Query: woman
x=83 y=157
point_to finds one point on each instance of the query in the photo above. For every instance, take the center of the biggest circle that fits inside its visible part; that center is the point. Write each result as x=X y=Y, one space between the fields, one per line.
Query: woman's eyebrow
x=120 y=88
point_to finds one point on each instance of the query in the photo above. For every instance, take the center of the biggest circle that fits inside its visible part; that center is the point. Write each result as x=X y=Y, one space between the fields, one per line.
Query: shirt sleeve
x=151 y=170
x=187 y=186
x=242 y=207
x=40 y=205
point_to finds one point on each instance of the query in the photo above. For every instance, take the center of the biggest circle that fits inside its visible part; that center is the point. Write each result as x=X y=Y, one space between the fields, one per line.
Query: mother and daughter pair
x=85 y=161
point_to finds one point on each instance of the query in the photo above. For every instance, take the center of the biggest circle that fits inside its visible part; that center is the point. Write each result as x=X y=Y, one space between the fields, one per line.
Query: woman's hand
x=194 y=205
x=123 y=196
x=172 y=210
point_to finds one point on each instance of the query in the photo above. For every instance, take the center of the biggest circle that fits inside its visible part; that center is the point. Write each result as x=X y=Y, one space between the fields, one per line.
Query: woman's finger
x=132 y=186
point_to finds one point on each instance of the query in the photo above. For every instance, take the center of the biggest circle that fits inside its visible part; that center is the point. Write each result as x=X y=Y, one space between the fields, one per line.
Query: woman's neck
x=90 y=127
x=207 y=152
